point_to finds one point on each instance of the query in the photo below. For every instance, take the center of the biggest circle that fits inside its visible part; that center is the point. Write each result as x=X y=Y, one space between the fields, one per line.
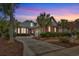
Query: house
x=30 y=27
x=70 y=26
x=53 y=27
x=26 y=28
x=73 y=26
x=76 y=25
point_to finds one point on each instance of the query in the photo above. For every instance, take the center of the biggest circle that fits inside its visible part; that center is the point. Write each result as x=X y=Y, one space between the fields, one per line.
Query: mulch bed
x=10 y=49
x=57 y=42
x=67 y=45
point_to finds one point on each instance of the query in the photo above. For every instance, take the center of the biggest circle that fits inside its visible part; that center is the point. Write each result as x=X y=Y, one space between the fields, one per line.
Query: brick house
x=30 y=27
x=71 y=26
x=51 y=28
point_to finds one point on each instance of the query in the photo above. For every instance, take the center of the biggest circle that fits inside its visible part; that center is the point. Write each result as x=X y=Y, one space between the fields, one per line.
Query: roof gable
x=28 y=24
x=54 y=22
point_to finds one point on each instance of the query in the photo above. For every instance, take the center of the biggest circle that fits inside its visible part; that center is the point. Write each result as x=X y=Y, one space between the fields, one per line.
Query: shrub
x=22 y=34
x=76 y=33
x=54 y=34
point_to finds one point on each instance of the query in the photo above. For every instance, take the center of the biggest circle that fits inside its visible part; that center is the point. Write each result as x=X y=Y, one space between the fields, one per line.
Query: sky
x=30 y=11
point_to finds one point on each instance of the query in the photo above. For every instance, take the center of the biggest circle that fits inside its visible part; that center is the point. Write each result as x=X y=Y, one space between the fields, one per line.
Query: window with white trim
x=18 y=30
x=23 y=30
x=31 y=24
x=54 y=29
x=49 y=29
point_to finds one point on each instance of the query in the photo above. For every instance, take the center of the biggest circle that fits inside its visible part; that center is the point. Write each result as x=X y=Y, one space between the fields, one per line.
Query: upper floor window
x=31 y=24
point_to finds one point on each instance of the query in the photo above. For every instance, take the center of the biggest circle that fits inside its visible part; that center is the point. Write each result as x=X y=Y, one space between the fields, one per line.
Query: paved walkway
x=74 y=51
x=37 y=47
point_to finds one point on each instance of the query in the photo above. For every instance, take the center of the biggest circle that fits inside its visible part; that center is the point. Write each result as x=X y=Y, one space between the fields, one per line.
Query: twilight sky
x=30 y=11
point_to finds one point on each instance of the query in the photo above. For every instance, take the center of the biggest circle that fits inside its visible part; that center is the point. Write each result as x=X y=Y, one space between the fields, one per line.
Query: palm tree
x=44 y=20
x=8 y=10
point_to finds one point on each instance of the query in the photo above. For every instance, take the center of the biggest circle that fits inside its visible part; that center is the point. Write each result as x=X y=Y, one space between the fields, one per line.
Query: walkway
x=74 y=51
x=37 y=47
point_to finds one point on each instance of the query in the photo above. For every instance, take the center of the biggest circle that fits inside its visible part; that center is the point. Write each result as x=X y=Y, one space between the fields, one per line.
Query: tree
x=44 y=20
x=76 y=25
x=63 y=23
x=4 y=28
x=8 y=9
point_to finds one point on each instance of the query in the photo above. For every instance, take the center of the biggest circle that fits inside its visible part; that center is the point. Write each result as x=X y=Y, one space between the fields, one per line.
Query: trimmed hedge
x=55 y=34
x=22 y=34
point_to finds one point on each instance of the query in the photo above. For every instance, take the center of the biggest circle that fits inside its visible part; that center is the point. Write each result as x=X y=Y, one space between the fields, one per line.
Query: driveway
x=37 y=47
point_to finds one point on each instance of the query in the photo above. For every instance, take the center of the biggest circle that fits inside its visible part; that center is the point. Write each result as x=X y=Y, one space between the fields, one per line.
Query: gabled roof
x=27 y=24
x=54 y=22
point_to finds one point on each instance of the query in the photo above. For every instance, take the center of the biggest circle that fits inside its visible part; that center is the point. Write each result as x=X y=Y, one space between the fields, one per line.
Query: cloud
x=56 y=11
x=69 y=17
x=59 y=13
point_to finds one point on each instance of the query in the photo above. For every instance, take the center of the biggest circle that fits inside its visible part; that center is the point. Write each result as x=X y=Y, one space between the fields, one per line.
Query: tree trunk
x=11 y=28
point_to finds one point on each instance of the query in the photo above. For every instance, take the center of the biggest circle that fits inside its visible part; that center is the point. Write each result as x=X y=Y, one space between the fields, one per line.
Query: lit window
x=23 y=30
x=18 y=30
x=54 y=29
x=32 y=31
x=49 y=29
x=31 y=24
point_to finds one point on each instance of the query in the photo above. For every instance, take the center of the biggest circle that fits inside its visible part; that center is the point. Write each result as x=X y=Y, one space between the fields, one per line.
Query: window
x=31 y=24
x=54 y=29
x=32 y=31
x=18 y=30
x=49 y=29
x=23 y=30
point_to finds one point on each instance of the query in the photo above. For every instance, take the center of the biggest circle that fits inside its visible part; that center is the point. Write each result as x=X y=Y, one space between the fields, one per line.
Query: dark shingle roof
x=54 y=22
x=27 y=24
